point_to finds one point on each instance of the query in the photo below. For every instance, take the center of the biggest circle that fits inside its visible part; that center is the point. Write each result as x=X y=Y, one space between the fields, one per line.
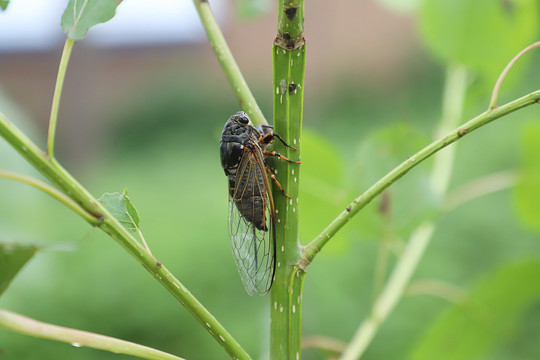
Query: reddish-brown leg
x=275 y=153
x=273 y=177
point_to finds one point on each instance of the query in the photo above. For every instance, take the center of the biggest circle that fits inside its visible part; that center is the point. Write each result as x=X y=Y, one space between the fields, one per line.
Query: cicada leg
x=268 y=135
x=275 y=153
x=273 y=177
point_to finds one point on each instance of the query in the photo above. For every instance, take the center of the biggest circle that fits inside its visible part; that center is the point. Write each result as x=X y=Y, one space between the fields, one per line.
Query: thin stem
x=442 y=289
x=391 y=293
x=323 y=343
x=453 y=99
x=25 y=325
x=46 y=188
x=311 y=250
x=226 y=59
x=495 y=94
x=57 y=94
x=109 y=224
x=479 y=187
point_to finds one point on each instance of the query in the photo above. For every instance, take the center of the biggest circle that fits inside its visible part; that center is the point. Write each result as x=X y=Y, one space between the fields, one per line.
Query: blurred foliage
x=250 y=9
x=528 y=189
x=163 y=146
x=470 y=32
x=490 y=314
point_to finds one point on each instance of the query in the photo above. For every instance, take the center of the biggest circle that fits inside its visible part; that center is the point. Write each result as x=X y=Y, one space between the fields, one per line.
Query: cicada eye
x=242 y=118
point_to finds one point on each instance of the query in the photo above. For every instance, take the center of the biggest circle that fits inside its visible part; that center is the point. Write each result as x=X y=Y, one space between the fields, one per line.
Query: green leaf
x=481 y=34
x=401 y=6
x=4 y=4
x=12 y=259
x=248 y=9
x=121 y=207
x=486 y=319
x=527 y=191
x=81 y=15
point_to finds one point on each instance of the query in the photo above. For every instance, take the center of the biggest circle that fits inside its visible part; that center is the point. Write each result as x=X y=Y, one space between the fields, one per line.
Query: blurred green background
x=149 y=119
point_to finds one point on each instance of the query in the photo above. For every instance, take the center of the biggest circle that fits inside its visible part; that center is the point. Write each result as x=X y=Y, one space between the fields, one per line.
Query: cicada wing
x=251 y=226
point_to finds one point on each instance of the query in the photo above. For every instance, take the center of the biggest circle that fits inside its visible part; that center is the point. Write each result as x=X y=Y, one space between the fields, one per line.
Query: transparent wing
x=251 y=226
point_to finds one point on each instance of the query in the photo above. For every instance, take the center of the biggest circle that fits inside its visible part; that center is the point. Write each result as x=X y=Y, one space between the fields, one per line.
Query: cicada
x=251 y=205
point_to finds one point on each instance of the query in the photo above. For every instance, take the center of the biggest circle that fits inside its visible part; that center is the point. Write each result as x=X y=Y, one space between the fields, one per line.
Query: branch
x=57 y=93
x=392 y=291
x=110 y=225
x=495 y=94
x=46 y=188
x=28 y=326
x=226 y=59
x=452 y=106
x=311 y=250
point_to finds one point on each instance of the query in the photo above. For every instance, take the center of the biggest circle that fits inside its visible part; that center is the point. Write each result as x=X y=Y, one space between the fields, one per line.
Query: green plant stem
x=52 y=192
x=226 y=59
x=28 y=326
x=68 y=46
x=482 y=186
x=452 y=109
x=61 y=178
x=288 y=55
x=497 y=87
x=392 y=292
x=311 y=250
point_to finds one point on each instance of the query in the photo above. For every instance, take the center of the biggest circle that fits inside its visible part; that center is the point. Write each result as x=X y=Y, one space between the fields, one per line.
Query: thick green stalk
x=289 y=67
x=226 y=59
x=28 y=326
x=57 y=93
x=311 y=250
x=106 y=222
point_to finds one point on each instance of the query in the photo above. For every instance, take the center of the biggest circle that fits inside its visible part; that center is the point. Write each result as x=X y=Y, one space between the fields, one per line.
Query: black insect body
x=251 y=206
